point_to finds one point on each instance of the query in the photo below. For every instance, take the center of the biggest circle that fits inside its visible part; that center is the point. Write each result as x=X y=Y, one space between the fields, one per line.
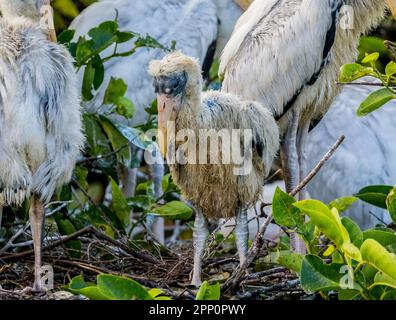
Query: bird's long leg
x=289 y=155
x=37 y=216
x=291 y=170
x=303 y=132
x=128 y=181
x=200 y=236
x=242 y=234
x=129 y=176
x=1 y=215
x=157 y=173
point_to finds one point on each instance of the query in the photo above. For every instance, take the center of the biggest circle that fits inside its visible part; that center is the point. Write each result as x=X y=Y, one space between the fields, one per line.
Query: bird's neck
x=367 y=13
x=189 y=114
x=19 y=20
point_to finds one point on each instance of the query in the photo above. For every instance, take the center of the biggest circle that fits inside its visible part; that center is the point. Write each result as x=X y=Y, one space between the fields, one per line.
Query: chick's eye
x=175 y=85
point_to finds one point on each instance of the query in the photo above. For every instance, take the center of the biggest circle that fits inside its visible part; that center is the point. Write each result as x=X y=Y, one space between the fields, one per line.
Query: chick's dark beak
x=170 y=93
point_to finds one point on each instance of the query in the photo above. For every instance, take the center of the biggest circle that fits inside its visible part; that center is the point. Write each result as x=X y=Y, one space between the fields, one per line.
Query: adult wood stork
x=286 y=54
x=40 y=122
x=200 y=28
x=367 y=156
x=210 y=180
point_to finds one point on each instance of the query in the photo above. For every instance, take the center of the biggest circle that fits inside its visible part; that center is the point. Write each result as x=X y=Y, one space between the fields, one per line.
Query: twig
x=258 y=243
x=22 y=230
x=88 y=229
x=392 y=48
x=49 y=246
x=261 y=274
x=370 y=84
x=102 y=156
x=287 y=285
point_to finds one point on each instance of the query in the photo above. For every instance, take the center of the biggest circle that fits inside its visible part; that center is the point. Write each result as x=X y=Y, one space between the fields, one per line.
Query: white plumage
x=40 y=124
x=367 y=156
x=40 y=111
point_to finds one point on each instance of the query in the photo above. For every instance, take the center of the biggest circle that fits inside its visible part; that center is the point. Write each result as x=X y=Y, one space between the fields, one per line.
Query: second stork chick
x=213 y=181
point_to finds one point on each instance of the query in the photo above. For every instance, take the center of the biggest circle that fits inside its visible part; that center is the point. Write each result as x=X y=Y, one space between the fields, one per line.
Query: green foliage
x=208 y=292
x=370 y=65
x=375 y=195
x=111 y=287
x=354 y=264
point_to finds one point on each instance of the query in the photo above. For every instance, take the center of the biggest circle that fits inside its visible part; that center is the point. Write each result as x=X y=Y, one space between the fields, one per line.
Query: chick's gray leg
x=156 y=164
x=291 y=170
x=242 y=235
x=200 y=236
x=37 y=216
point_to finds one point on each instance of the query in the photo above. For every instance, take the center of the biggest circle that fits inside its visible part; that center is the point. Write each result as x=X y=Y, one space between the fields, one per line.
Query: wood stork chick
x=286 y=54
x=213 y=186
x=40 y=123
x=200 y=28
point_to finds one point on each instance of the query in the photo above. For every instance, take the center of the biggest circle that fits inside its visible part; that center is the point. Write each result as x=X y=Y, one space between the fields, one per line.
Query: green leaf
x=115 y=89
x=355 y=234
x=390 y=69
x=97 y=64
x=84 y=51
x=324 y=220
x=117 y=140
x=174 y=210
x=88 y=79
x=375 y=195
x=124 y=36
x=348 y=294
x=208 y=292
x=318 y=276
x=284 y=213
x=104 y=35
x=135 y=136
x=81 y=175
x=374 y=253
x=329 y=222
x=352 y=72
x=158 y=294
x=369 y=58
x=375 y=100
x=384 y=237
x=391 y=204
x=109 y=287
x=342 y=204
x=382 y=279
x=290 y=260
x=114 y=95
x=119 y=204
x=66 y=227
x=120 y=288
x=79 y=286
x=66 y=36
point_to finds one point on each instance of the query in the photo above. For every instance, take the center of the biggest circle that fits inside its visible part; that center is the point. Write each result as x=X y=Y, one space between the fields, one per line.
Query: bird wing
x=279 y=46
x=191 y=23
